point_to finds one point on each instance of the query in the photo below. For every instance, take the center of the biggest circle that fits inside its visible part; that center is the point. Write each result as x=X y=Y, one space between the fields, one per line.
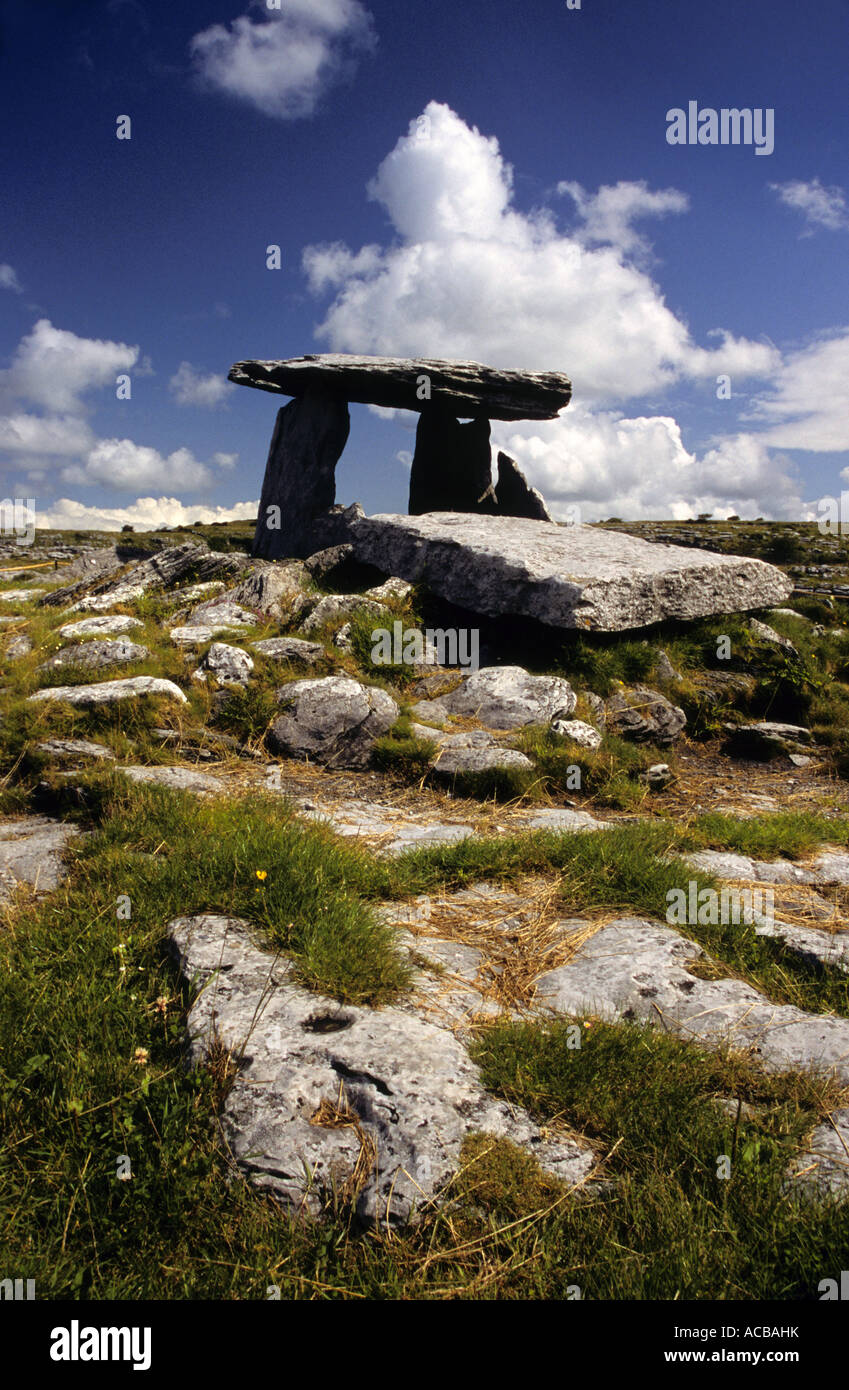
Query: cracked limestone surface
x=31 y=852
x=327 y=1094
x=638 y=969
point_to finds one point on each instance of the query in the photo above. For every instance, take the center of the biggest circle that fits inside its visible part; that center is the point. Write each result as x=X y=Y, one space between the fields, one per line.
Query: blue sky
x=481 y=180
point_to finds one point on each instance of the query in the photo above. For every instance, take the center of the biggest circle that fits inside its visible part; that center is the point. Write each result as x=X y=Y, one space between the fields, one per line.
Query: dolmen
x=451 y=469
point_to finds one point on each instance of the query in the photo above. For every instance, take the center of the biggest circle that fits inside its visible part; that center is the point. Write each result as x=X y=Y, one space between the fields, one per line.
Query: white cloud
x=821 y=206
x=285 y=62
x=64 y=435
x=9 y=279
x=124 y=466
x=607 y=464
x=192 y=387
x=145 y=514
x=54 y=368
x=809 y=406
x=471 y=277
x=607 y=215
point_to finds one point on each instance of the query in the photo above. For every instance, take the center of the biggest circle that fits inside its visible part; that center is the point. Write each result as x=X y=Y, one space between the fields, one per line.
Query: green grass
x=791 y=834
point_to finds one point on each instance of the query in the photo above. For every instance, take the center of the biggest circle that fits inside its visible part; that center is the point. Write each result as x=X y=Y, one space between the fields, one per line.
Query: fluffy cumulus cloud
x=466 y=274
x=471 y=276
x=807 y=409
x=607 y=217
x=282 y=59
x=53 y=368
x=145 y=514
x=9 y=279
x=191 y=387
x=820 y=206
x=125 y=466
x=599 y=463
x=44 y=424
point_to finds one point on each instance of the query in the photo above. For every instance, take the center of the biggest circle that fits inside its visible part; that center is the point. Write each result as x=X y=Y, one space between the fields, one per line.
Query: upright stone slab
x=451 y=466
x=515 y=496
x=300 y=475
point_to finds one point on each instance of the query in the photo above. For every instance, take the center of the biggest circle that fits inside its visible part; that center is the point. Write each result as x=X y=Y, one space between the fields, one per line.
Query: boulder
x=765 y=633
x=504 y=697
x=565 y=576
x=274 y=590
x=476 y=751
x=292 y=649
x=463 y=388
x=765 y=739
x=229 y=665
x=334 y=606
x=31 y=852
x=160 y=571
x=112 y=625
x=18 y=647
x=109 y=692
x=221 y=613
x=97 y=654
x=334 y=721
x=576 y=731
x=644 y=716
x=300 y=475
x=336 y=568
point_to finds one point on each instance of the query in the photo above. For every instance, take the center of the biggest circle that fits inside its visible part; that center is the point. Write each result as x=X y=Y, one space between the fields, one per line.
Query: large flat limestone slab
x=464 y=388
x=565 y=576
x=407 y=1090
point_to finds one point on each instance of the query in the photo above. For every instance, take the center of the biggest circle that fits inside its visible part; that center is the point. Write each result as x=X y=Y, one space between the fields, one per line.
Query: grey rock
x=196 y=591
x=565 y=576
x=644 y=716
x=799 y=760
x=393 y=588
x=475 y=752
x=464 y=388
x=576 y=731
x=334 y=606
x=98 y=654
x=452 y=465
x=826 y=869
x=334 y=721
x=19 y=595
x=823 y=1169
x=765 y=633
x=504 y=697
x=108 y=692
x=664 y=670
x=177 y=779
x=18 y=647
x=31 y=852
x=196 y=634
x=765 y=739
x=408 y=1088
x=789 y=613
x=334 y=527
x=659 y=776
x=112 y=625
x=160 y=571
x=555 y=818
x=222 y=613
x=514 y=495
x=75 y=748
x=292 y=649
x=300 y=475
x=637 y=969
x=274 y=590
x=229 y=665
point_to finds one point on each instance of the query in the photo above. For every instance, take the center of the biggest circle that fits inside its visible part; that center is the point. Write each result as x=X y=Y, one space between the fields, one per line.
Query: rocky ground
x=514 y=833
